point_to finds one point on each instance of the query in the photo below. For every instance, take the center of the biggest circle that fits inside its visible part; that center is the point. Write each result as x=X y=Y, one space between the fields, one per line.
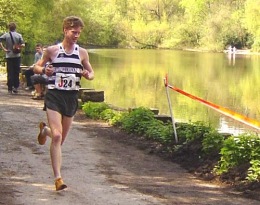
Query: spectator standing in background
x=13 y=59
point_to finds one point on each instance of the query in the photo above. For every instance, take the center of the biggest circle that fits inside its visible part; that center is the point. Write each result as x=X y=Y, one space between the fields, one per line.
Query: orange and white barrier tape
x=241 y=118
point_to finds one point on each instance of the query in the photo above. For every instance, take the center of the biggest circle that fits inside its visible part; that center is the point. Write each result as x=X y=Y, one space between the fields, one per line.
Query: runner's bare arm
x=39 y=67
x=88 y=71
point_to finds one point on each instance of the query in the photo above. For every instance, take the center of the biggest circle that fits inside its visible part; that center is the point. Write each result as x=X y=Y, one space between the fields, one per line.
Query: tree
x=204 y=24
x=8 y=11
x=252 y=21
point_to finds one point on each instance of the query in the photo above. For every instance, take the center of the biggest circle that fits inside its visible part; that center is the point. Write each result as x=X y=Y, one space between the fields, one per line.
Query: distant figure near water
x=232 y=50
x=231 y=54
x=229 y=49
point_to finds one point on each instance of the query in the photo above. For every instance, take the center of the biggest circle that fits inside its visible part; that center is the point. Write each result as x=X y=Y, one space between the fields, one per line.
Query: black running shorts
x=64 y=102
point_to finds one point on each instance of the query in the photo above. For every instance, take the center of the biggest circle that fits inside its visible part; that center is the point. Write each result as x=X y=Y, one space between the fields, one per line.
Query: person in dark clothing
x=13 y=59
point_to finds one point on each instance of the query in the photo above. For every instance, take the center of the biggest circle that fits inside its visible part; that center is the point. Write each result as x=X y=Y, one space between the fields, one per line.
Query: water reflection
x=231 y=58
x=227 y=125
x=134 y=78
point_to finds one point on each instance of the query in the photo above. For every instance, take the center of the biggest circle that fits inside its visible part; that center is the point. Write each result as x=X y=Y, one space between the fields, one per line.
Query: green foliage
x=107 y=114
x=160 y=132
x=254 y=171
x=111 y=116
x=140 y=121
x=192 y=131
x=205 y=24
x=212 y=142
x=102 y=111
x=9 y=10
x=252 y=22
x=237 y=150
x=29 y=16
x=148 y=35
x=137 y=120
x=116 y=119
x=94 y=110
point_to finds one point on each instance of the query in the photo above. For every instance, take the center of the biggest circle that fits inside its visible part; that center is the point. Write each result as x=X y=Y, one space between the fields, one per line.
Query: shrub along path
x=102 y=165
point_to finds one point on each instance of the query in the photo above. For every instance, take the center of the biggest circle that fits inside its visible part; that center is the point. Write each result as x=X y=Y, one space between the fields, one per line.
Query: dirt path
x=100 y=166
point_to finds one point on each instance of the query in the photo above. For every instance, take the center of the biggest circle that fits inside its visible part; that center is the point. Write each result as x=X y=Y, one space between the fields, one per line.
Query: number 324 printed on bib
x=65 y=81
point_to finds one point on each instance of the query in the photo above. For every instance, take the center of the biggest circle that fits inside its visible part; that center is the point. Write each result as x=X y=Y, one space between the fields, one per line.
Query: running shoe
x=38 y=97
x=42 y=138
x=29 y=88
x=15 y=90
x=59 y=184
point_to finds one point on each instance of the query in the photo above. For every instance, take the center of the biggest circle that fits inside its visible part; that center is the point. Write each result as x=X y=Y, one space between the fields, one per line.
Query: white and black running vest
x=67 y=70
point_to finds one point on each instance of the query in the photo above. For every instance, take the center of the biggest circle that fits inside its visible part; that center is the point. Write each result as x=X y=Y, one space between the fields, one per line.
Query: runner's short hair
x=72 y=22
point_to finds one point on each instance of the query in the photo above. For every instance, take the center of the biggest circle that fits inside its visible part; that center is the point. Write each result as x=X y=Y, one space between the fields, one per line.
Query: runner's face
x=73 y=34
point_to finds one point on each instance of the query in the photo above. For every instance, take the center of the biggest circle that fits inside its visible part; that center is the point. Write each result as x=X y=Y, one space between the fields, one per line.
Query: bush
x=192 y=131
x=94 y=110
x=239 y=150
x=112 y=117
x=254 y=171
x=137 y=120
x=159 y=131
x=212 y=142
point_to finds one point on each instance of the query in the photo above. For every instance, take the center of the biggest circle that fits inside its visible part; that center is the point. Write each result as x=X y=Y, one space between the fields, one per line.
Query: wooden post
x=92 y=96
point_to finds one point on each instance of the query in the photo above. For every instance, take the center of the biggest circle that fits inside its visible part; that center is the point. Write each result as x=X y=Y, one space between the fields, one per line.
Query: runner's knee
x=57 y=138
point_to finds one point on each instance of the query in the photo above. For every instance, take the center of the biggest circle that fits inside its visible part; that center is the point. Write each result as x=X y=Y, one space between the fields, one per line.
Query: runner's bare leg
x=59 y=127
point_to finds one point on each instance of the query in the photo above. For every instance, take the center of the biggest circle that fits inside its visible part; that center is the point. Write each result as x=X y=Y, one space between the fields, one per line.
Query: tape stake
x=170 y=107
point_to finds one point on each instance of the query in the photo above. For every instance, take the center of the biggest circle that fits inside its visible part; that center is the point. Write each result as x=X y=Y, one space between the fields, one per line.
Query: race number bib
x=65 y=81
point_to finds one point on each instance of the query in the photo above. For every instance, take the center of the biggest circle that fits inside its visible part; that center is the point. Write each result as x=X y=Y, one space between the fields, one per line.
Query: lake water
x=134 y=78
